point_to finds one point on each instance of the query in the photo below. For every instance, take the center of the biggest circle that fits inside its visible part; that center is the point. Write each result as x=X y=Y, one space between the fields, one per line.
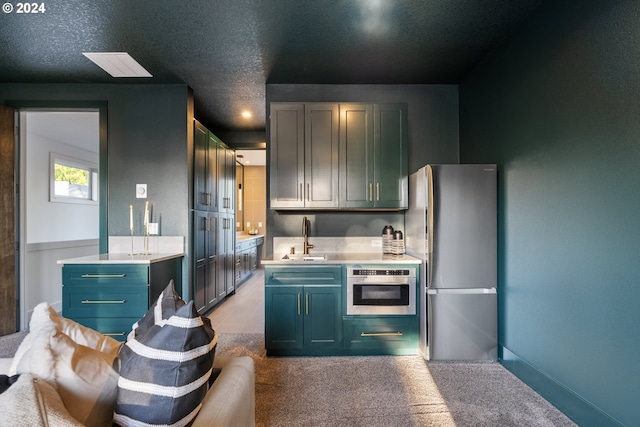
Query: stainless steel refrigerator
x=451 y=224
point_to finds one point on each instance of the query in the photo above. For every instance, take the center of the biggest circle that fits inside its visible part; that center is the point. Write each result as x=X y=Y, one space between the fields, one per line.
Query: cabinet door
x=390 y=147
x=225 y=257
x=230 y=245
x=226 y=174
x=322 y=317
x=286 y=150
x=212 y=241
x=356 y=156
x=200 y=220
x=205 y=232
x=212 y=172
x=321 y=155
x=283 y=317
x=204 y=169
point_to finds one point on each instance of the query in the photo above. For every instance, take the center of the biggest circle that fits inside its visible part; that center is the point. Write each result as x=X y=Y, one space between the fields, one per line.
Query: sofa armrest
x=5 y=365
x=231 y=401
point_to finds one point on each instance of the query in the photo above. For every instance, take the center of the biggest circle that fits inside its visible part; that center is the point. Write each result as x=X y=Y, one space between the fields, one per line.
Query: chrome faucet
x=305 y=233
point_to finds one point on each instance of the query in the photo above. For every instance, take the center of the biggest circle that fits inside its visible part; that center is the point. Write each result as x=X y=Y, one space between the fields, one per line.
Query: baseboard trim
x=572 y=405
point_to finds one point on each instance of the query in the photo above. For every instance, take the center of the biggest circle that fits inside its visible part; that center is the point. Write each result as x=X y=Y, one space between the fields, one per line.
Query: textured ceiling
x=227 y=50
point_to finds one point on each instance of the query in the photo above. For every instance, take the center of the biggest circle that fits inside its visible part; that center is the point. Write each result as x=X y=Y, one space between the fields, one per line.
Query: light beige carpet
x=389 y=391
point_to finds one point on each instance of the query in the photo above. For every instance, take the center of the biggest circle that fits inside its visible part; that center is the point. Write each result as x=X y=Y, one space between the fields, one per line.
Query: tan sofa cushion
x=231 y=401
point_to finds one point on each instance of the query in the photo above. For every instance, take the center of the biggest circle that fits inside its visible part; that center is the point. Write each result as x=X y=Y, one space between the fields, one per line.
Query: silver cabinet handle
x=102 y=276
x=381 y=334
x=115 y=334
x=106 y=301
x=377 y=191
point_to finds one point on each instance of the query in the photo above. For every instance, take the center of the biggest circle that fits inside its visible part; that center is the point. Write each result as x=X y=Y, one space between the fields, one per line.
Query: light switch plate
x=153 y=228
x=141 y=191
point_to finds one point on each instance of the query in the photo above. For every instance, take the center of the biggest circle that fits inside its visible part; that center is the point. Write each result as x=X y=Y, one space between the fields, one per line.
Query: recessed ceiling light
x=246 y=114
x=118 y=64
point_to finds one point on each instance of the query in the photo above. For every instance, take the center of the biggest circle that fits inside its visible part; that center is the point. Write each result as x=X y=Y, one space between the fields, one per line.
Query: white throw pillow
x=83 y=377
x=44 y=314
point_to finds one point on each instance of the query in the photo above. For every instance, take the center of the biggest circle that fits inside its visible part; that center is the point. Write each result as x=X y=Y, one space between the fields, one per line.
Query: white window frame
x=92 y=168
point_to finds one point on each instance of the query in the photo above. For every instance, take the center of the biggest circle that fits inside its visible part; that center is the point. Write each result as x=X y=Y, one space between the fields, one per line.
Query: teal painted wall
x=558 y=108
x=149 y=141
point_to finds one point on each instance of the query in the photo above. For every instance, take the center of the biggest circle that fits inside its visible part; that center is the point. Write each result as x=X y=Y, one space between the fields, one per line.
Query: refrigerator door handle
x=430 y=224
x=435 y=291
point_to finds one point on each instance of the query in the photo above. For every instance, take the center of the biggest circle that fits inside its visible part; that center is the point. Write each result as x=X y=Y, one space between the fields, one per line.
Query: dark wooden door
x=8 y=310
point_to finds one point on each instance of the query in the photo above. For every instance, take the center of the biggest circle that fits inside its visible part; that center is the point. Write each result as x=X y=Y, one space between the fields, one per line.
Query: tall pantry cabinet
x=213 y=219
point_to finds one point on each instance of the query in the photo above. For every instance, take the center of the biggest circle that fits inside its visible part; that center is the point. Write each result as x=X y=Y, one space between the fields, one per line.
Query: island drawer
x=90 y=301
x=101 y=274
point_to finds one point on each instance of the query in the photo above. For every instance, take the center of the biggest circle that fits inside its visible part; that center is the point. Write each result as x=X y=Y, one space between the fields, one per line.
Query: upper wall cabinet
x=205 y=169
x=304 y=156
x=214 y=172
x=373 y=156
x=226 y=178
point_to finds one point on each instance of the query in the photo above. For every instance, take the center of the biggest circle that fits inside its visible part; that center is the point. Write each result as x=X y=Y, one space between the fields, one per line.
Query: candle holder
x=132 y=251
x=145 y=250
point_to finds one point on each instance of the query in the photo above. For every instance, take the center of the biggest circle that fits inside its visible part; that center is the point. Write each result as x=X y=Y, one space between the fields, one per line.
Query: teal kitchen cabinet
x=303 y=310
x=225 y=256
x=373 y=156
x=226 y=178
x=247 y=257
x=111 y=297
x=395 y=335
x=205 y=226
x=304 y=155
x=214 y=219
x=205 y=169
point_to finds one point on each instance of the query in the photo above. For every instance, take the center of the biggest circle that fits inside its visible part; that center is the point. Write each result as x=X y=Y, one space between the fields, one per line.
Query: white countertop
x=343 y=258
x=241 y=237
x=121 y=258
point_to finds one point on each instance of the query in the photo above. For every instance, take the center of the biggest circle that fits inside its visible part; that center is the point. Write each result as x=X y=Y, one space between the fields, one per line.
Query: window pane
x=71 y=181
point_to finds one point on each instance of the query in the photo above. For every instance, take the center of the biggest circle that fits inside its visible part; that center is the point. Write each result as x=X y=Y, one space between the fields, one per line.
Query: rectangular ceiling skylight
x=118 y=64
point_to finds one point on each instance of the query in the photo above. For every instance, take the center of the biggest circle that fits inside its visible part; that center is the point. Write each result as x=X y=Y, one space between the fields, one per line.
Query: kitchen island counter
x=121 y=258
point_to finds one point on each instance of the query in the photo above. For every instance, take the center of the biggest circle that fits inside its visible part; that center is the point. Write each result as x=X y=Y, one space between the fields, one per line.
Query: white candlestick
x=146 y=213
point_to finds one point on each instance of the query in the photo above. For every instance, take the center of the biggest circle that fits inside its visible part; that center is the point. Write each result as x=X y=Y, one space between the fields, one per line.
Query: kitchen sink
x=305 y=257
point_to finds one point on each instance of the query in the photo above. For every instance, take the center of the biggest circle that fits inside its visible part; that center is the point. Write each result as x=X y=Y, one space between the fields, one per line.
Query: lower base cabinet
x=305 y=315
x=110 y=298
x=303 y=310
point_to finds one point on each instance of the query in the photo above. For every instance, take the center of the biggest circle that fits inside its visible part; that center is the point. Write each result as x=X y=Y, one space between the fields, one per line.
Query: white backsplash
x=157 y=244
x=329 y=245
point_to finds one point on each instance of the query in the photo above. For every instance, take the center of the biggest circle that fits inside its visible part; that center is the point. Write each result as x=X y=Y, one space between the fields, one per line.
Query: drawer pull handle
x=106 y=301
x=102 y=276
x=381 y=334
x=114 y=334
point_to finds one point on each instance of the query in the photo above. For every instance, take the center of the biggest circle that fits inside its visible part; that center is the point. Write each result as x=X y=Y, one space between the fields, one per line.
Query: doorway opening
x=59 y=198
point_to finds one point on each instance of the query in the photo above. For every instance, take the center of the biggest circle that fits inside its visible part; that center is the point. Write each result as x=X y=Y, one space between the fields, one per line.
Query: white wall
x=52 y=230
x=53 y=221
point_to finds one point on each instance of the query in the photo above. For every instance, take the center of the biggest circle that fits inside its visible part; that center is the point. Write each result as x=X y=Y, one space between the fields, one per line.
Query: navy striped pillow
x=165 y=306
x=164 y=373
